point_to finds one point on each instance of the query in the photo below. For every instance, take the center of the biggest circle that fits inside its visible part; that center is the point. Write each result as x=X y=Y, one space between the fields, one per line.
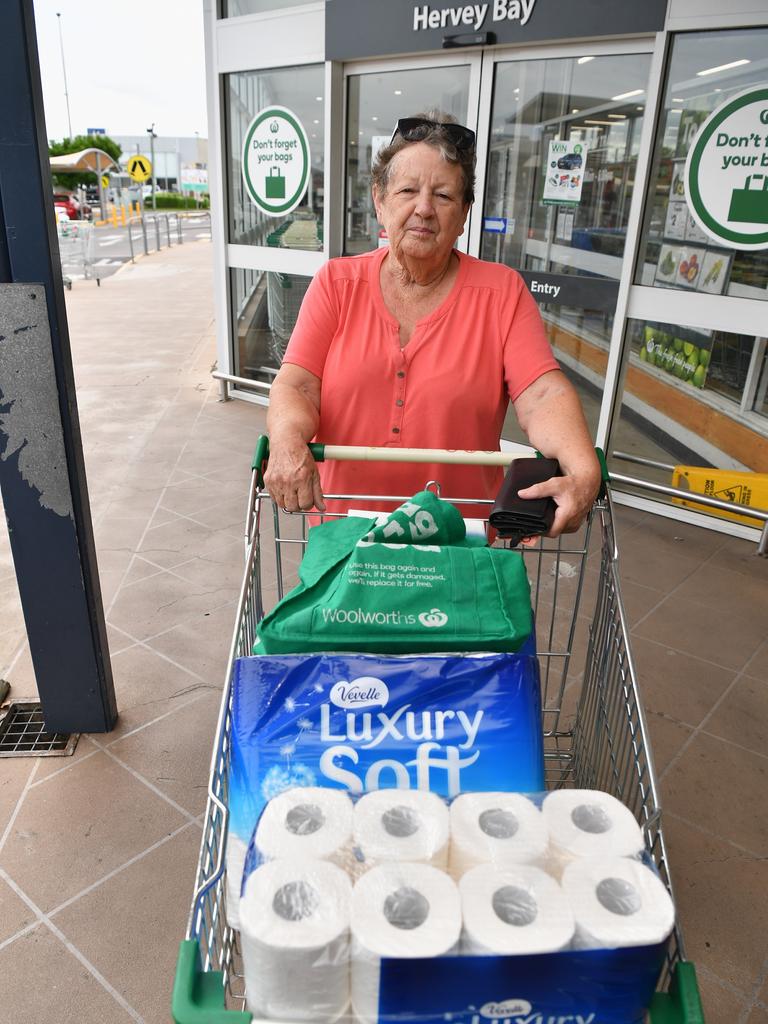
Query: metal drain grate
x=23 y=733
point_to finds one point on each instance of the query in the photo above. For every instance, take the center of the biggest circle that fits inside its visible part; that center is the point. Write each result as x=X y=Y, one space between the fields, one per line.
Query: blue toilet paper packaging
x=361 y=722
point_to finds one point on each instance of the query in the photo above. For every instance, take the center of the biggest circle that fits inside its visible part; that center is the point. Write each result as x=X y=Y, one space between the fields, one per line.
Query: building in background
x=585 y=116
x=178 y=160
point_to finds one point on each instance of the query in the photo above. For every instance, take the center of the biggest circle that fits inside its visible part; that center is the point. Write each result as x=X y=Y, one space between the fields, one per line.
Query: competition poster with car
x=564 y=173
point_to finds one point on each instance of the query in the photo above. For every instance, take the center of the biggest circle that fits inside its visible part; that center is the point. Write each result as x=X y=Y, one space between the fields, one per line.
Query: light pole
x=152 y=138
x=64 y=69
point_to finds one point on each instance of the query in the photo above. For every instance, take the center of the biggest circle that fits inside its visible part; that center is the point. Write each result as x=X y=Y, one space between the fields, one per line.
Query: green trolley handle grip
x=261 y=456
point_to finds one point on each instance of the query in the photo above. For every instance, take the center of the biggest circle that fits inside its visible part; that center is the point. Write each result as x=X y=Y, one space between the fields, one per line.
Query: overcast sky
x=127 y=66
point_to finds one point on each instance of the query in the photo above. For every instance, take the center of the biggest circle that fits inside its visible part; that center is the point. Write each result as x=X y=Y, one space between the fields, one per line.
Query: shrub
x=175 y=201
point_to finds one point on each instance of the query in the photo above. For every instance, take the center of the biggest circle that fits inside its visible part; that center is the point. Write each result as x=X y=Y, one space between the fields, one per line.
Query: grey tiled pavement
x=97 y=852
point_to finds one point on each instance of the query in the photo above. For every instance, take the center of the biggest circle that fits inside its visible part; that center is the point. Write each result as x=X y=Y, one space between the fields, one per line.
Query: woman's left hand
x=573 y=494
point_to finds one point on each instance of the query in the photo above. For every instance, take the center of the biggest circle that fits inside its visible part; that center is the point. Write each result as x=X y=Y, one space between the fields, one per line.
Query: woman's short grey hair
x=437 y=138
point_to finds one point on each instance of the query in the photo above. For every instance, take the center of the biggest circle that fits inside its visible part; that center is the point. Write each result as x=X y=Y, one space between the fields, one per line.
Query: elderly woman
x=418 y=345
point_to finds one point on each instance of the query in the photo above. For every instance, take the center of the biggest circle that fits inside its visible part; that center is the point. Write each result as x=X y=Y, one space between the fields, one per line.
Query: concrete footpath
x=97 y=852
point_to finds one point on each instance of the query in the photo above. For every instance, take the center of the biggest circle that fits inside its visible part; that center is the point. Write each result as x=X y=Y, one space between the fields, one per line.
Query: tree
x=102 y=142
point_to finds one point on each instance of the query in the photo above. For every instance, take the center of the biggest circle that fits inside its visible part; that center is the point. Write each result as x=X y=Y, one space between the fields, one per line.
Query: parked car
x=69 y=203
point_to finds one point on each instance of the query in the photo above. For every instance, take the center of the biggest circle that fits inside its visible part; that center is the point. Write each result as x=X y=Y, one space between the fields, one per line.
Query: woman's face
x=423 y=209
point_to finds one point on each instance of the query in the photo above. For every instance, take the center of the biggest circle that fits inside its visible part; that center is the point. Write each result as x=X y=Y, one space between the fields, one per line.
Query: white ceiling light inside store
x=626 y=95
x=398 y=92
x=584 y=60
x=724 y=67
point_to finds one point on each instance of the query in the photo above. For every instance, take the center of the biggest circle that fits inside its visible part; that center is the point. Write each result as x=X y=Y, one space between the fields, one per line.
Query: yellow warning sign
x=104 y=181
x=738 y=486
x=139 y=168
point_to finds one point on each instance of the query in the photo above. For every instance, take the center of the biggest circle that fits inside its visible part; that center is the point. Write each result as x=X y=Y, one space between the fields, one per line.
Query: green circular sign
x=726 y=173
x=276 y=163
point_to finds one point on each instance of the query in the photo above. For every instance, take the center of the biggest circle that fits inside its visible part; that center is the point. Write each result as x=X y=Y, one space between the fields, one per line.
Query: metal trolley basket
x=595 y=735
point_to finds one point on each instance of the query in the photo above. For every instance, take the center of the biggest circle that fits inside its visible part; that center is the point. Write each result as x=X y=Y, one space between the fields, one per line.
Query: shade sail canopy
x=85 y=160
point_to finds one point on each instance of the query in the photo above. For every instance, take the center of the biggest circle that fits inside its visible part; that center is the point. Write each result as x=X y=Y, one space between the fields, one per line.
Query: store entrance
x=563 y=141
x=559 y=141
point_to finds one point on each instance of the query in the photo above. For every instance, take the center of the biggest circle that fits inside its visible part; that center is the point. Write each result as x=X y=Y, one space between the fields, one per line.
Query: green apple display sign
x=726 y=173
x=276 y=161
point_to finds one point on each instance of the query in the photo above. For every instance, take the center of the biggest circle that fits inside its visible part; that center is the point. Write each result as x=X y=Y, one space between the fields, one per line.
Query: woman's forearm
x=292 y=413
x=550 y=413
x=292 y=421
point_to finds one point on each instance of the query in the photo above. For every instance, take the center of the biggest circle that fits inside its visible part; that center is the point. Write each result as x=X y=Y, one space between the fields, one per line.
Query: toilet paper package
x=361 y=723
x=473 y=928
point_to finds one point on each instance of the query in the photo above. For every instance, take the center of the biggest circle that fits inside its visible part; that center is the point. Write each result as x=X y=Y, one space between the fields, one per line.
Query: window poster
x=564 y=173
x=676 y=221
x=685 y=355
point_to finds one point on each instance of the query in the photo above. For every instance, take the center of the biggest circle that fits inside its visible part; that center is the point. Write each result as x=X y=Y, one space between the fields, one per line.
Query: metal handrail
x=701 y=499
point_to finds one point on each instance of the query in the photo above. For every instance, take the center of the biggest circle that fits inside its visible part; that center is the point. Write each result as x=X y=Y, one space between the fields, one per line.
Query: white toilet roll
x=236 y=853
x=398 y=910
x=513 y=910
x=500 y=828
x=617 y=901
x=307 y=821
x=294 y=921
x=588 y=823
x=401 y=824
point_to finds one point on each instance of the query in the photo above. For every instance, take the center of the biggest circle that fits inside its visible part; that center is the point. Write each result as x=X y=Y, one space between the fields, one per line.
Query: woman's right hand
x=292 y=477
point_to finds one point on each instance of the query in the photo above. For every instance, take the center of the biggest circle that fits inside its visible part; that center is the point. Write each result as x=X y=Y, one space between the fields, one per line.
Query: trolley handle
x=349 y=453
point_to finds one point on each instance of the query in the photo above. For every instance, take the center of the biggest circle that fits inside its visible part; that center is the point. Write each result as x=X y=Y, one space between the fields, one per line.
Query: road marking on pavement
x=110 y=241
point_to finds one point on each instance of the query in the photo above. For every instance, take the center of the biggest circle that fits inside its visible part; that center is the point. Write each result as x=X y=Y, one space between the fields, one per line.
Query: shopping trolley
x=595 y=735
x=76 y=242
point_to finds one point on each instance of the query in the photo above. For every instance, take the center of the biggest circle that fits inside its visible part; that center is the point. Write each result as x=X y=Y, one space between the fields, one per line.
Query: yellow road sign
x=104 y=181
x=139 y=168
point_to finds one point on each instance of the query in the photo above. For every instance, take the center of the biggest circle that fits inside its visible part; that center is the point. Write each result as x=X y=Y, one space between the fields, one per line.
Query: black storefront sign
x=572 y=290
x=377 y=28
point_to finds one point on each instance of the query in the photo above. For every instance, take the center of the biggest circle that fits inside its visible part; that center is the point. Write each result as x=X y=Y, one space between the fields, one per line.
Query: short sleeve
x=527 y=352
x=316 y=325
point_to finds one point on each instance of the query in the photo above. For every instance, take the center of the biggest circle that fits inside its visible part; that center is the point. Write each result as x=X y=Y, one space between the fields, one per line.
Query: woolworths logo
x=433 y=619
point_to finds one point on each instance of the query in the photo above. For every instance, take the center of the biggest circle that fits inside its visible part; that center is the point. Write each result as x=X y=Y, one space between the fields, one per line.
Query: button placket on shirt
x=399 y=404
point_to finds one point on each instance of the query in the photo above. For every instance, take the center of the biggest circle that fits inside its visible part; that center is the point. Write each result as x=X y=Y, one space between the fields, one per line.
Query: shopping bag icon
x=750 y=205
x=274 y=184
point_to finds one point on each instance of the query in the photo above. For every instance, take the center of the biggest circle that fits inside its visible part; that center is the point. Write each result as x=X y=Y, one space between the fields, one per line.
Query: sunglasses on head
x=414 y=129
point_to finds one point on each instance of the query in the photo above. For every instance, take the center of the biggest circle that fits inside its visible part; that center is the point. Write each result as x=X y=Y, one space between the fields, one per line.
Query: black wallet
x=513 y=517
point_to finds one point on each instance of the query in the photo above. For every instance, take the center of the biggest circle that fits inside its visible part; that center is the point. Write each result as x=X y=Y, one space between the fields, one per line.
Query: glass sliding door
x=563 y=143
x=375 y=101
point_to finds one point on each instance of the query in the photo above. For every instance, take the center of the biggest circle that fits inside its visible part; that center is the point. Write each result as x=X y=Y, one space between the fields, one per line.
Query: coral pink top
x=448 y=388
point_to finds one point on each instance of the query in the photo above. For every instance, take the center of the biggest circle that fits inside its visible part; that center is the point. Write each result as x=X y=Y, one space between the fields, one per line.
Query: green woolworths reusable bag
x=402 y=583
